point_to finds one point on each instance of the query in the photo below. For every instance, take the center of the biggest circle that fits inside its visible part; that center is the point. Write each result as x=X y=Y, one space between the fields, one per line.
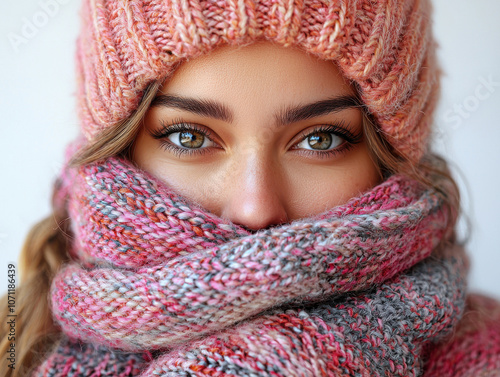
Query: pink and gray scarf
x=158 y=286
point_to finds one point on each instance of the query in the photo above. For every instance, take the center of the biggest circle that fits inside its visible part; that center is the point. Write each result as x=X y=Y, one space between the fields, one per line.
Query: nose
x=255 y=198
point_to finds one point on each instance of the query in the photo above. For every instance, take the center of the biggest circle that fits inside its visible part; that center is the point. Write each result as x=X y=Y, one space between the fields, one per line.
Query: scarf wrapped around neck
x=157 y=286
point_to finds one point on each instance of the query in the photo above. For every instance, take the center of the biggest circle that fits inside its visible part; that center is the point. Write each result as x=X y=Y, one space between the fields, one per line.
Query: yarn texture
x=385 y=48
x=159 y=287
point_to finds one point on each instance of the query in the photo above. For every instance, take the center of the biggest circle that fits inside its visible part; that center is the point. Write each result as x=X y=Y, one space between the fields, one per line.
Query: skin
x=254 y=172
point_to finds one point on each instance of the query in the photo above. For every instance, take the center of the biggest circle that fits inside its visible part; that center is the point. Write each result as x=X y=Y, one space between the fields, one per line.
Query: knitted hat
x=384 y=47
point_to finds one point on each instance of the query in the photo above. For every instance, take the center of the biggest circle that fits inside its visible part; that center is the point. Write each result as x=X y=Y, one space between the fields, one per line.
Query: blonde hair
x=44 y=251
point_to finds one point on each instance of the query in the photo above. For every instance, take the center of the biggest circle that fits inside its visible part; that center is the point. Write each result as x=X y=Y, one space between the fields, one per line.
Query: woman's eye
x=321 y=141
x=190 y=139
x=184 y=138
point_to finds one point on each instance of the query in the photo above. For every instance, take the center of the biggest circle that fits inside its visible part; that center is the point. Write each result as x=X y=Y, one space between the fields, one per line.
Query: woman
x=239 y=205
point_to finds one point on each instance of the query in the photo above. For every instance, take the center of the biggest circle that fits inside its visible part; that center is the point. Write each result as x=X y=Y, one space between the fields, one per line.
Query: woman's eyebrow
x=292 y=114
x=203 y=107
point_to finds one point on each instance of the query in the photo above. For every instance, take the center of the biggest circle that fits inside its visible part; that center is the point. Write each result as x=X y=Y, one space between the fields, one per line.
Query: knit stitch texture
x=157 y=286
x=360 y=290
x=385 y=48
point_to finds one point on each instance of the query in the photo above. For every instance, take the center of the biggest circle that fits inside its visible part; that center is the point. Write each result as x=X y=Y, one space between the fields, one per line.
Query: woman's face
x=259 y=135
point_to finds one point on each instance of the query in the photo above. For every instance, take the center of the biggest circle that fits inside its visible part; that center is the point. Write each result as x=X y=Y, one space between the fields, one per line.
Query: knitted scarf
x=157 y=286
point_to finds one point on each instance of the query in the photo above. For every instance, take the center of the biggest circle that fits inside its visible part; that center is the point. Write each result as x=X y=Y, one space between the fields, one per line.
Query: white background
x=37 y=108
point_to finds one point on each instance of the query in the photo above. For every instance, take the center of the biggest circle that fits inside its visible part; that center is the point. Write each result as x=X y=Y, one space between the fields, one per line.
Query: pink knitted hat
x=386 y=47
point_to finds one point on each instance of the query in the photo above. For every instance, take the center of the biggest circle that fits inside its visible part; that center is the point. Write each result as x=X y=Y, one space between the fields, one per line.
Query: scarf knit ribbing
x=160 y=287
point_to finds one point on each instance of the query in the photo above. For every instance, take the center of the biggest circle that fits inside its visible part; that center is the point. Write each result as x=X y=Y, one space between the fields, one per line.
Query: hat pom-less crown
x=386 y=47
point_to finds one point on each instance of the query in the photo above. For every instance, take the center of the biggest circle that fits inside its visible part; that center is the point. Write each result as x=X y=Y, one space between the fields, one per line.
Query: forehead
x=263 y=73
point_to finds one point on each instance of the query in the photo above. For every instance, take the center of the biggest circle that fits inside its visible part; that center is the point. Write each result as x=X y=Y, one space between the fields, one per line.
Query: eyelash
x=342 y=129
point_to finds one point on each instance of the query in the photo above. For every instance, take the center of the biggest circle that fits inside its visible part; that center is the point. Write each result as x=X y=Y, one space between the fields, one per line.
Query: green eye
x=188 y=139
x=321 y=141
x=184 y=138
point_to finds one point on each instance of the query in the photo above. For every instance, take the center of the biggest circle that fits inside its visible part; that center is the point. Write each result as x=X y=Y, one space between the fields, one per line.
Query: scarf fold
x=359 y=289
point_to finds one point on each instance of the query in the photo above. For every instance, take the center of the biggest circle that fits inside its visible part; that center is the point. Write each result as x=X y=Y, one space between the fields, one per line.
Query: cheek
x=147 y=155
x=191 y=181
x=315 y=189
x=304 y=188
